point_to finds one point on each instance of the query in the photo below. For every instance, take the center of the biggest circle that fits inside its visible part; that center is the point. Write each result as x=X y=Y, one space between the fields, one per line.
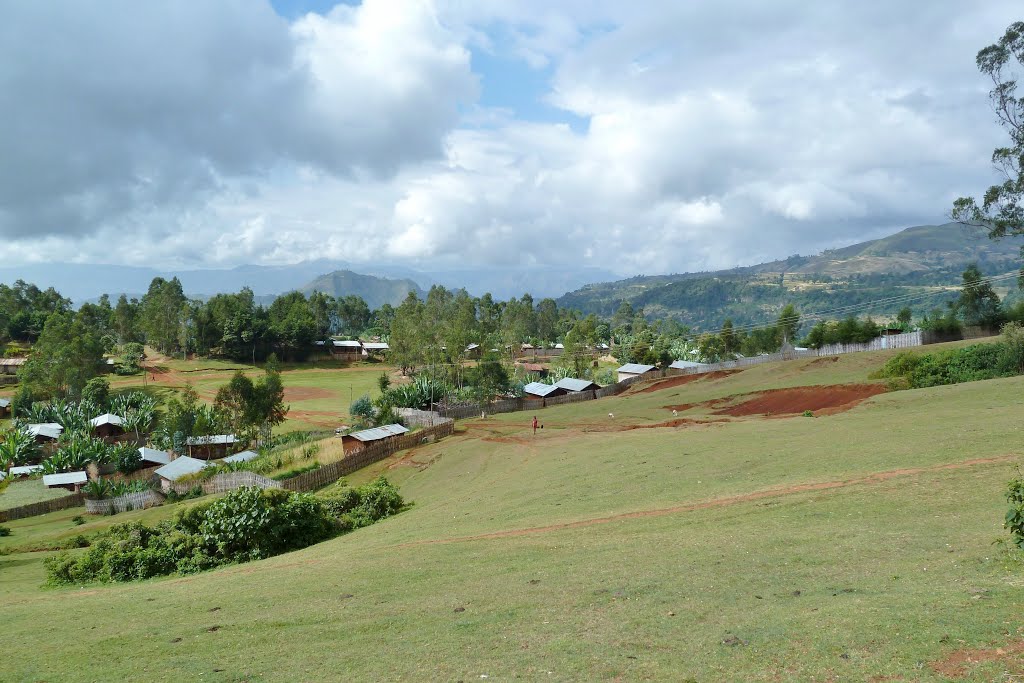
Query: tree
x=1002 y=207
x=728 y=337
x=252 y=409
x=97 y=392
x=789 y=323
x=161 y=310
x=904 y=317
x=978 y=303
x=67 y=355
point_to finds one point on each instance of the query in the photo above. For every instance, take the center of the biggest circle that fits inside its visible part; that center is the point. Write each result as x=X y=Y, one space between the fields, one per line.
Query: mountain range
x=919 y=267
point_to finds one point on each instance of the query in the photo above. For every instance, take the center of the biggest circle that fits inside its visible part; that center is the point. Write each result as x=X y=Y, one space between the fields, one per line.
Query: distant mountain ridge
x=375 y=291
x=922 y=264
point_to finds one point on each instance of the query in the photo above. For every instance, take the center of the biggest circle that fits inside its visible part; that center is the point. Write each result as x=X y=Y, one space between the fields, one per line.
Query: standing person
x=534 y=424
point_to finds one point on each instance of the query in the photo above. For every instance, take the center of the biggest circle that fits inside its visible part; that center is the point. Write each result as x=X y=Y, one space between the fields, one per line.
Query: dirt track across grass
x=875 y=478
x=819 y=400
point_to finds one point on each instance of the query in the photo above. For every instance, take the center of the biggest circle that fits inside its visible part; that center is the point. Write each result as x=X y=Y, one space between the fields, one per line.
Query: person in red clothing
x=534 y=424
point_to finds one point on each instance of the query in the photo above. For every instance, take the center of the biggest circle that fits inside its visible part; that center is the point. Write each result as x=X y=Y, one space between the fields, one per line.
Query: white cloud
x=712 y=134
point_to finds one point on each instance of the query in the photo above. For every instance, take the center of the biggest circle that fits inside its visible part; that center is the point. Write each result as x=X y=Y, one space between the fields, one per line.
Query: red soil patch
x=956 y=664
x=876 y=478
x=307 y=393
x=680 y=380
x=819 y=400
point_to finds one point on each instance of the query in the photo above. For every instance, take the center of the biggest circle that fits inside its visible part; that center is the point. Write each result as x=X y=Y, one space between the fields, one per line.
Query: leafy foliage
x=363 y=505
x=1014 y=520
x=246 y=524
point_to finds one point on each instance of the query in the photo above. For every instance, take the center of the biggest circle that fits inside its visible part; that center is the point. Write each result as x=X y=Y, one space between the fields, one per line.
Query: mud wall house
x=536 y=391
x=210 y=447
x=536 y=368
x=574 y=386
x=346 y=350
x=107 y=426
x=357 y=441
x=631 y=370
x=681 y=367
x=376 y=349
x=45 y=432
x=474 y=351
x=176 y=469
x=72 y=481
x=152 y=456
x=9 y=366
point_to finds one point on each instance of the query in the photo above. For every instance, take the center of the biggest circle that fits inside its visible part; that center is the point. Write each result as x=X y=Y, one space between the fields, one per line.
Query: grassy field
x=318 y=396
x=851 y=546
x=27 y=491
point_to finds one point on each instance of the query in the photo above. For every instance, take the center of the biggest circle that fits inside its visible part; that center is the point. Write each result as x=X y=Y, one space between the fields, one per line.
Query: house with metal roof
x=9 y=366
x=347 y=349
x=539 y=390
x=72 y=481
x=634 y=370
x=5 y=406
x=45 y=431
x=178 y=468
x=687 y=365
x=376 y=347
x=357 y=441
x=244 y=456
x=210 y=447
x=576 y=385
x=152 y=456
x=107 y=425
x=25 y=470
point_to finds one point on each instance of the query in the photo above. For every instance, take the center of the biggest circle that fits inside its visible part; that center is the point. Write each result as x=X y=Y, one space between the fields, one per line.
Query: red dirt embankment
x=826 y=400
x=679 y=380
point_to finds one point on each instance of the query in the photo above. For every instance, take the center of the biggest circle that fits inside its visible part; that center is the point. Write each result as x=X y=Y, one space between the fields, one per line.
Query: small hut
x=357 y=441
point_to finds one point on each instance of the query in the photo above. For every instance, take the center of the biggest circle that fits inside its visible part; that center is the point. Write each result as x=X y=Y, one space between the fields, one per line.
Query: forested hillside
x=919 y=267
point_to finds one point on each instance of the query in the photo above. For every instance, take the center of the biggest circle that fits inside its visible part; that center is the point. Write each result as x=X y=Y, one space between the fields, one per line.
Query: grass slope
x=856 y=546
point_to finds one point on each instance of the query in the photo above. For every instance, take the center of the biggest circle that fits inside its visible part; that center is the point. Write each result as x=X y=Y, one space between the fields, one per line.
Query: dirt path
x=875 y=478
x=680 y=380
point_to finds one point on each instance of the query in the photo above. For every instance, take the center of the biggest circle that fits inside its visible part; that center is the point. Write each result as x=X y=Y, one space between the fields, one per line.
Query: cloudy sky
x=643 y=137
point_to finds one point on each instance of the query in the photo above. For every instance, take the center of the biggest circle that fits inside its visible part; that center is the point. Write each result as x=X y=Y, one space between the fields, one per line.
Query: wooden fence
x=130 y=501
x=331 y=472
x=43 y=507
x=228 y=481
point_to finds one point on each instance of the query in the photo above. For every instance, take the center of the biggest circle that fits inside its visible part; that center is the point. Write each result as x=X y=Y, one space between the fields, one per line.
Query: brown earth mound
x=955 y=666
x=679 y=380
x=826 y=400
x=307 y=393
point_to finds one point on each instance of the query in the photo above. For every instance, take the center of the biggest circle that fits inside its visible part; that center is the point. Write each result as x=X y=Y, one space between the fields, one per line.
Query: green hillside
x=610 y=546
x=923 y=263
x=376 y=291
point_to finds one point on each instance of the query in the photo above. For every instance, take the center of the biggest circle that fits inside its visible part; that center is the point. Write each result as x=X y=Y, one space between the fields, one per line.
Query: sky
x=642 y=138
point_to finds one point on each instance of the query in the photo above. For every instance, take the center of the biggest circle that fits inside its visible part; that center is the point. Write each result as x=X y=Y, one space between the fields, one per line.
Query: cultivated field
x=719 y=543
x=319 y=395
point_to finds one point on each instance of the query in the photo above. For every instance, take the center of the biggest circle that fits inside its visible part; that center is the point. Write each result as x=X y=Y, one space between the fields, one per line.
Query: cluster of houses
x=539 y=390
x=352 y=350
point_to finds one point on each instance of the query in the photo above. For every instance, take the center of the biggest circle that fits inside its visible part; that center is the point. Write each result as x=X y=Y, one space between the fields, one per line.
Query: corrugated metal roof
x=50 y=430
x=11 y=361
x=376 y=346
x=244 y=456
x=348 y=344
x=65 y=478
x=635 y=368
x=154 y=455
x=378 y=433
x=472 y=347
x=559 y=346
x=179 y=467
x=685 y=364
x=570 y=384
x=107 y=419
x=539 y=389
x=25 y=470
x=5 y=402
x=213 y=440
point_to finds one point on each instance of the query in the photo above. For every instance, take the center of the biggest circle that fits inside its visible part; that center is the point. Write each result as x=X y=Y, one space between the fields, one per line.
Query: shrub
x=1014 y=521
x=245 y=524
x=78 y=520
x=1012 y=357
x=364 y=505
x=126 y=458
x=5 y=531
x=294 y=472
x=362 y=408
x=97 y=392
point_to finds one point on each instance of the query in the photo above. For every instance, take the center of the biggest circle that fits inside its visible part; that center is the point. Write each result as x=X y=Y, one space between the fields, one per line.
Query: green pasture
x=25 y=491
x=856 y=546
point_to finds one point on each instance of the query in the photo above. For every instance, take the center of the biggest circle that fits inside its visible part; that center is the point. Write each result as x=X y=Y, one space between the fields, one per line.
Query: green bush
x=1014 y=521
x=294 y=472
x=246 y=524
x=78 y=520
x=5 y=531
x=967 y=364
x=364 y=505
